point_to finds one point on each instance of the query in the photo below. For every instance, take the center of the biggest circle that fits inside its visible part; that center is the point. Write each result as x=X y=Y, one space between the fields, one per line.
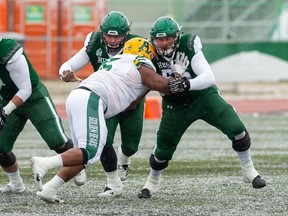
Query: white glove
x=181 y=63
x=69 y=76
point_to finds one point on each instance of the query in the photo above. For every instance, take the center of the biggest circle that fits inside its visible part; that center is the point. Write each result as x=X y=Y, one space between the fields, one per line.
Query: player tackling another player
x=120 y=82
x=98 y=47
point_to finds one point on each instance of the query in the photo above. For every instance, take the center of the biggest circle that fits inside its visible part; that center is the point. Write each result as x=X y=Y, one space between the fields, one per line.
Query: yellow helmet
x=140 y=46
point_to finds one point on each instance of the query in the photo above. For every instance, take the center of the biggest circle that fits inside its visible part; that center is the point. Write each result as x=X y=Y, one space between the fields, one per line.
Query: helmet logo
x=141 y=47
x=162 y=34
x=111 y=32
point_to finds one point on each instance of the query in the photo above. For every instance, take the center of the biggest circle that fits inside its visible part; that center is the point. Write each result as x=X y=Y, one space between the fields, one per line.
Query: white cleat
x=123 y=171
x=48 y=199
x=149 y=188
x=250 y=175
x=49 y=195
x=39 y=169
x=81 y=178
x=111 y=192
x=10 y=188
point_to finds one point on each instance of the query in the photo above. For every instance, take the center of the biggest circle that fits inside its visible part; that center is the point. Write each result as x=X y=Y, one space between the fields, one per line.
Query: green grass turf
x=203 y=178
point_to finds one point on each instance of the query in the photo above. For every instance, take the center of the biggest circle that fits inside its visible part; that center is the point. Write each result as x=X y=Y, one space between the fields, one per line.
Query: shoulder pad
x=91 y=39
x=10 y=48
x=192 y=42
x=140 y=60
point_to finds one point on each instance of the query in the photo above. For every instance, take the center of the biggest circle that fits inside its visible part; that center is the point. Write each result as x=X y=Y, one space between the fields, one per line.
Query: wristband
x=9 y=108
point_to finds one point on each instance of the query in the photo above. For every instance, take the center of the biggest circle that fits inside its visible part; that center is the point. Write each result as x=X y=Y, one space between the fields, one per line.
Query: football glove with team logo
x=179 y=85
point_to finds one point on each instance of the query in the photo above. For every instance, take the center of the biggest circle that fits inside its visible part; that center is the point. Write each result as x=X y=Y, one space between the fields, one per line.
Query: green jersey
x=188 y=45
x=96 y=50
x=8 y=49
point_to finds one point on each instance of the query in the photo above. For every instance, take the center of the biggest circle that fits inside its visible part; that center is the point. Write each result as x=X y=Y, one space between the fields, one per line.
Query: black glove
x=179 y=85
x=3 y=117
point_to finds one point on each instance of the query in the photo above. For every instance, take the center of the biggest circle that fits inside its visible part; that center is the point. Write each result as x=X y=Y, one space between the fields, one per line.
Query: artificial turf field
x=203 y=178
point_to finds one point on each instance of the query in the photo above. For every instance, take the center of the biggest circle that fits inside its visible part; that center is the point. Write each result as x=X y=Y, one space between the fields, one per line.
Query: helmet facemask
x=114 y=24
x=167 y=49
x=113 y=47
x=165 y=27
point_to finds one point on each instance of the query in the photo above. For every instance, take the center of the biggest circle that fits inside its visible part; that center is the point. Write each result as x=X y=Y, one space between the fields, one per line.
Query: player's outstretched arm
x=153 y=80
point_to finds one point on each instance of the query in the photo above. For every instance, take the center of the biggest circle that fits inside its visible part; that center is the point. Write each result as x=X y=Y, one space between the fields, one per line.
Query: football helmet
x=115 y=24
x=164 y=27
x=140 y=46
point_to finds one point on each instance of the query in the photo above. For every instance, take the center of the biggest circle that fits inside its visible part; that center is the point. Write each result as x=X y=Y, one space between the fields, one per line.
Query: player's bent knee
x=157 y=165
x=85 y=155
x=7 y=160
x=242 y=144
x=68 y=145
x=129 y=151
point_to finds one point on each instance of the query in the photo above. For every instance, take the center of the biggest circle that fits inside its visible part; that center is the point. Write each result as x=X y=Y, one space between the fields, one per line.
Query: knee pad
x=7 y=160
x=67 y=145
x=85 y=155
x=156 y=165
x=242 y=144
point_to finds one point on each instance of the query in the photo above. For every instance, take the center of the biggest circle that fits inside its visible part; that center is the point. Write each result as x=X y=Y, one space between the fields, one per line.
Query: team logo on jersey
x=164 y=65
x=169 y=107
x=99 y=52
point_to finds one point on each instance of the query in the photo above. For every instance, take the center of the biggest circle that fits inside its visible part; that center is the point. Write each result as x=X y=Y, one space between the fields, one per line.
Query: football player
x=119 y=81
x=98 y=47
x=202 y=101
x=24 y=97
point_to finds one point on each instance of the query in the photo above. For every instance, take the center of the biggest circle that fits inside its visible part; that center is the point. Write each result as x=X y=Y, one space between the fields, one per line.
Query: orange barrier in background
x=153 y=108
x=54 y=30
x=3 y=15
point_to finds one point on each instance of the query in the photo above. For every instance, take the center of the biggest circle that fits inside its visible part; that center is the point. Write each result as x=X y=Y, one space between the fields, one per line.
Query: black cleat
x=144 y=193
x=258 y=182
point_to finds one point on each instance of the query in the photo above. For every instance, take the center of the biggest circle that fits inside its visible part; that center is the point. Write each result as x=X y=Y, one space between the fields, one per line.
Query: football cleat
x=258 y=182
x=49 y=195
x=80 y=178
x=152 y=185
x=249 y=173
x=123 y=171
x=46 y=197
x=39 y=169
x=10 y=188
x=109 y=192
x=144 y=193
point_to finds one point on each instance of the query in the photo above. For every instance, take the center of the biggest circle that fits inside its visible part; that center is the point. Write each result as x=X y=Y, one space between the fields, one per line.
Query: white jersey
x=118 y=82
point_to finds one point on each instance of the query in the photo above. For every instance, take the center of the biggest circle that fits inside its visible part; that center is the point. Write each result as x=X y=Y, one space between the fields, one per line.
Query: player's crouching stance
x=120 y=81
x=24 y=97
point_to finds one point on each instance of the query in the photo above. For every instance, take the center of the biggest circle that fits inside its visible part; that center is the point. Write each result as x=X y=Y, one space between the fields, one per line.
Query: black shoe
x=144 y=193
x=258 y=182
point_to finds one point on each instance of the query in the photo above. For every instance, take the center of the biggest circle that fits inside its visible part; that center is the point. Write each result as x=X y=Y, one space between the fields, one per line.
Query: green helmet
x=115 y=24
x=163 y=27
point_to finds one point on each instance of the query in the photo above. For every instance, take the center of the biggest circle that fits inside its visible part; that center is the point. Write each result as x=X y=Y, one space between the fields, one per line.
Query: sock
x=244 y=157
x=15 y=178
x=55 y=161
x=155 y=174
x=55 y=183
x=113 y=179
x=123 y=159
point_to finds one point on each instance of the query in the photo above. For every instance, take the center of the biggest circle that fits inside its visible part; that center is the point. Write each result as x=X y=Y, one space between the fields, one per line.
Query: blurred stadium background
x=244 y=40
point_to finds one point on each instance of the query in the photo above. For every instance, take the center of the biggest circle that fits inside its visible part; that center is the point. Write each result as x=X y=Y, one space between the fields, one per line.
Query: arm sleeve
x=78 y=61
x=19 y=73
x=205 y=77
